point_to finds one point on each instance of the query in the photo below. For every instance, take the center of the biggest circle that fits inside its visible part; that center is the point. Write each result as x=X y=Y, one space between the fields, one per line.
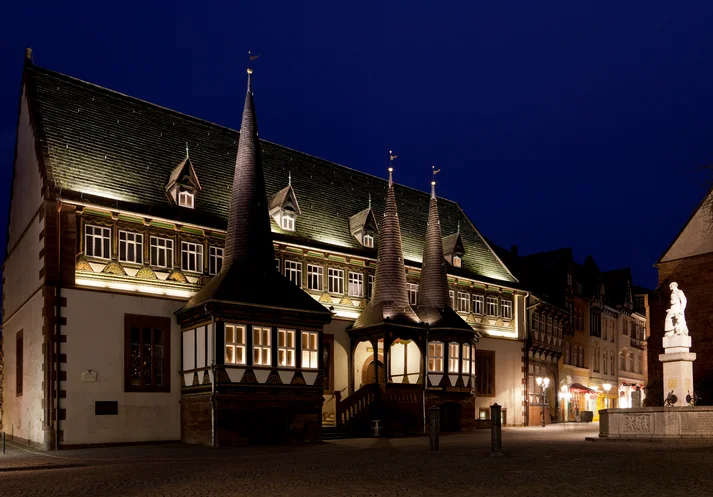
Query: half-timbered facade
x=122 y=322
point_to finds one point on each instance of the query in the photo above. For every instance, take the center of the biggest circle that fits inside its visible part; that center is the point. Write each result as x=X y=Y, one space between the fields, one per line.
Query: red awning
x=579 y=388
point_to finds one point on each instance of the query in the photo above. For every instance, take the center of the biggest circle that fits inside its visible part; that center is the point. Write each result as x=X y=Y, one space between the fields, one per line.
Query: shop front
x=631 y=394
x=604 y=396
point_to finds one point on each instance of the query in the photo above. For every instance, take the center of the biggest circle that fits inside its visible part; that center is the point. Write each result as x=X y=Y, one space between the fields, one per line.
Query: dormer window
x=363 y=227
x=186 y=199
x=453 y=249
x=288 y=221
x=367 y=240
x=456 y=260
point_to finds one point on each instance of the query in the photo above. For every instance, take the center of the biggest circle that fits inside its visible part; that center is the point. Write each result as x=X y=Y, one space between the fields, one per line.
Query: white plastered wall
x=508 y=378
x=95 y=341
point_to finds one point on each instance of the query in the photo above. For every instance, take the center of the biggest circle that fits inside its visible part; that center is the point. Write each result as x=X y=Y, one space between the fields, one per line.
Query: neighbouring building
x=688 y=261
x=171 y=279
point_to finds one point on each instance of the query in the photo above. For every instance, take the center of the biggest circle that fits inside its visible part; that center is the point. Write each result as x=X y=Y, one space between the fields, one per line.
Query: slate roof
x=119 y=151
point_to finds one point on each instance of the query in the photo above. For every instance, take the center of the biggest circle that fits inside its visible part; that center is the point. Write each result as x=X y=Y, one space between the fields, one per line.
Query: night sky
x=570 y=124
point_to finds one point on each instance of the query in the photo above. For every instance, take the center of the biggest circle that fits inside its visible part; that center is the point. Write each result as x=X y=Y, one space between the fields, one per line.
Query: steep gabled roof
x=184 y=171
x=90 y=133
x=361 y=219
x=287 y=194
x=453 y=242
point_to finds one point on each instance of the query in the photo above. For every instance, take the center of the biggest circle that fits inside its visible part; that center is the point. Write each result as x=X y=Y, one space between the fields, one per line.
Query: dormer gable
x=363 y=227
x=183 y=184
x=453 y=249
x=284 y=208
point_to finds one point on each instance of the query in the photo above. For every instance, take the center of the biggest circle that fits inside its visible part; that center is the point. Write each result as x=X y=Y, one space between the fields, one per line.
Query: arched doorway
x=367 y=375
x=449 y=416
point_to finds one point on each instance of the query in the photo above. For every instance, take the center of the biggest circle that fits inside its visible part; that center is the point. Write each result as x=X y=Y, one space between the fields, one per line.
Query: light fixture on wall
x=543 y=383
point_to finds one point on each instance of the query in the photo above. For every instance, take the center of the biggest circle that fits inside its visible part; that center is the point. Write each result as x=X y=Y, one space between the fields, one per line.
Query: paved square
x=537 y=462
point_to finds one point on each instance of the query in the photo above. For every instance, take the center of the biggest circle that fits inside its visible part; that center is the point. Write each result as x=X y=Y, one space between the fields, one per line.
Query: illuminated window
x=492 y=306
x=215 y=260
x=186 y=199
x=315 y=277
x=456 y=261
x=478 y=304
x=131 y=247
x=262 y=355
x=97 y=242
x=356 y=284
x=435 y=357
x=466 y=359
x=161 y=252
x=310 y=348
x=192 y=257
x=412 y=289
x=336 y=280
x=506 y=308
x=286 y=348
x=367 y=240
x=463 y=302
x=453 y=357
x=234 y=344
x=288 y=221
x=452 y=296
x=293 y=271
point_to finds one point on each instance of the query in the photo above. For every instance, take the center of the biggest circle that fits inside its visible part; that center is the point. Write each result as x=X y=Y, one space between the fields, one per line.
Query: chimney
x=513 y=250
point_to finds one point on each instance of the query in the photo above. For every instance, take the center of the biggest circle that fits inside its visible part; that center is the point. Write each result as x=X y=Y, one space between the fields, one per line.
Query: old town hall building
x=171 y=279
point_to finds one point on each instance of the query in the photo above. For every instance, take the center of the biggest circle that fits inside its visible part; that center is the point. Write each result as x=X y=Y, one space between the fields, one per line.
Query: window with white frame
x=452 y=296
x=310 y=348
x=186 y=199
x=293 y=271
x=466 y=359
x=215 y=260
x=235 y=344
x=336 y=280
x=161 y=252
x=192 y=257
x=435 y=357
x=356 y=284
x=456 y=261
x=412 y=289
x=97 y=242
x=367 y=240
x=131 y=247
x=286 y=348
x=463 y=302
x=288 y=221
x=492 y=306
x=262 y=351
x=506 y=308
x=370 y=286
x=478 y=304
x=453 y=357
x=315 y=277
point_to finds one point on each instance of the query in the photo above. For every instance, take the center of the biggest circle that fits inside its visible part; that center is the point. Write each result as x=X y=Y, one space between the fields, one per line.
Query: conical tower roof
x=434 y=275
x=389 y=301
x=248 y=276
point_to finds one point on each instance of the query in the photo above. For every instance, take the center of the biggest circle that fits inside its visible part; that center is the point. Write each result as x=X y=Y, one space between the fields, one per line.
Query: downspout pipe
x=425 y=381
x=58 y=321
x=212 y=380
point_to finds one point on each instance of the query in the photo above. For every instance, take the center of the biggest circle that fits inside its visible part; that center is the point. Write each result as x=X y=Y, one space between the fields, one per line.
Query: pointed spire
x=249 y=240
x=434 y=275
x=390 y=278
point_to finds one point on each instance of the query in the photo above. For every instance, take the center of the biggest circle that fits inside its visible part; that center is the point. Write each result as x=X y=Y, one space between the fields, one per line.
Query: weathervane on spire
x=391 y=166
x=251 y=58
x=433 y=181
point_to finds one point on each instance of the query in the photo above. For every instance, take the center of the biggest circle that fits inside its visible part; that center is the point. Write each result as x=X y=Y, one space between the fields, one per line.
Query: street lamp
x=543 y=383
x=607 y=387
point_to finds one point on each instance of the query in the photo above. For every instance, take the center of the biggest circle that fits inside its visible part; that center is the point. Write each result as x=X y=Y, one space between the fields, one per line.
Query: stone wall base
x=657 y=423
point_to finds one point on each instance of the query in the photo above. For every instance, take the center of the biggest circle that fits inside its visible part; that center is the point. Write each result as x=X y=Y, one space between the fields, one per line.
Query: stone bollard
x=435 y=429
x=496 y=440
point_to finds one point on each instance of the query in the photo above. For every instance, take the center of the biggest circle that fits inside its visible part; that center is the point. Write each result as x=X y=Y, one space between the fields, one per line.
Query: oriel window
x=262 y=350
x=286 y=348
x=310 y=349
x=235 y=344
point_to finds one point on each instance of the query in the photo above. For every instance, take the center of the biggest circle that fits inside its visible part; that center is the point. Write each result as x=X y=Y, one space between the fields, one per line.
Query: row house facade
x=153 y=296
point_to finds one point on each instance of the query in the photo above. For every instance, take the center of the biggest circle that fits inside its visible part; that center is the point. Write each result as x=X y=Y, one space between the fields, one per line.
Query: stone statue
x=675 y=318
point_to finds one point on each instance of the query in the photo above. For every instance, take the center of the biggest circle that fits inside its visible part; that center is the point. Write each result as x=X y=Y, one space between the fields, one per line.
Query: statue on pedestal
x=675 y=318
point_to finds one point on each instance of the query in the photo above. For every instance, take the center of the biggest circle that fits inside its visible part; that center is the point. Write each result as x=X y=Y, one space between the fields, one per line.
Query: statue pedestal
x=677 y=367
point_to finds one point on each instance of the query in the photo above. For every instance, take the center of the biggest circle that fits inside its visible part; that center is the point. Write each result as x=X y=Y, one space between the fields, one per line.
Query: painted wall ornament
x=675 y=317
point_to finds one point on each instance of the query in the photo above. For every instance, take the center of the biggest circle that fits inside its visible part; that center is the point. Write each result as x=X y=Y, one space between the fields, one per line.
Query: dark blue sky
x=555 y=123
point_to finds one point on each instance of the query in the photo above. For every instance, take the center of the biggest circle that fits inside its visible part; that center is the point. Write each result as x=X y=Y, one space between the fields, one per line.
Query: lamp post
x=607 y=387
x=543 y=383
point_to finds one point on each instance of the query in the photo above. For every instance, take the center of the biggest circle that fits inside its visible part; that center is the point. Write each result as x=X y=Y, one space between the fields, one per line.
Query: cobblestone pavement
x=537 y=461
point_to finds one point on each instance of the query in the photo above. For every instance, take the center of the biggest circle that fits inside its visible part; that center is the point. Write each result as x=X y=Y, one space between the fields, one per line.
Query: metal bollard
x=496 y=439
x=3 y=442
x=435 y=429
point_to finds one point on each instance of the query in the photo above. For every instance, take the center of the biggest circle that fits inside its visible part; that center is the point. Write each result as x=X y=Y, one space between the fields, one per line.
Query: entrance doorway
x=368 y=373
x=450 y=416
